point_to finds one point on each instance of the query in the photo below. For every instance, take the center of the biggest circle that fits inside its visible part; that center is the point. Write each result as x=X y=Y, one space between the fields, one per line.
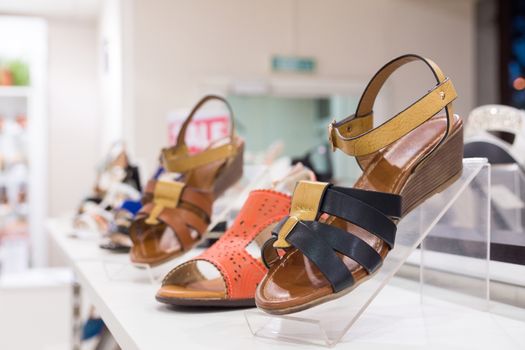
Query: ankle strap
x=356 y=134
x=178 y=159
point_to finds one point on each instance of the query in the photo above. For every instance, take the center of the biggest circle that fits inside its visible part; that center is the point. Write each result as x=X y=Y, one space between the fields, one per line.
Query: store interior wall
x=74 y=118
x=179 y=46
x=163 y=56
x=487 y=53
x=110 y=60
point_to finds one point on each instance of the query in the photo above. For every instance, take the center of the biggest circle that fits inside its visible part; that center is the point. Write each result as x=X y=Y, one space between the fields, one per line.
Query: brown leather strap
x=178 y=159
x=150 y=186
x=356 y=136
x=181 y=230
x=190 y=210
x=202 y=201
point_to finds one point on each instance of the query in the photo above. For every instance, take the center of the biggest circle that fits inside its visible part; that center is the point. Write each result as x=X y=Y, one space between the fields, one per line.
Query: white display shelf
x=396 y=319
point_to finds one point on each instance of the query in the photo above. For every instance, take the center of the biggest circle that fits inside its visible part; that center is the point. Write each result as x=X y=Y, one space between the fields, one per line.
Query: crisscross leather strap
x=177 y=158
x=321 y=242
x=356 y=134
x=180 y=207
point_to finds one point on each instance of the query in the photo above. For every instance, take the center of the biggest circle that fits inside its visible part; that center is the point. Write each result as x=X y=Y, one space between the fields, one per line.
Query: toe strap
x=323 y=244
x=182 y=208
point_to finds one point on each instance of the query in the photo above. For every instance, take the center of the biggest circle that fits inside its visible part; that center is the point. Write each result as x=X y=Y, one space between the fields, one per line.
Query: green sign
x=293 y=64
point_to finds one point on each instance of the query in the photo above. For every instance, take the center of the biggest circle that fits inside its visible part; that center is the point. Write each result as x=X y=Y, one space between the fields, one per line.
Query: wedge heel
x=437 y=172
x=231 y=174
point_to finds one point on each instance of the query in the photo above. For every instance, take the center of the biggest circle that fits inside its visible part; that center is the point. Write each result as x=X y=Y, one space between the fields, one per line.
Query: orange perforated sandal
x=178 y=206
x=240 y=272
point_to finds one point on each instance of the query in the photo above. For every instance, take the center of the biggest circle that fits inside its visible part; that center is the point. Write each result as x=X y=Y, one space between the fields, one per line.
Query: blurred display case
x=14 y=225
x=23 y=143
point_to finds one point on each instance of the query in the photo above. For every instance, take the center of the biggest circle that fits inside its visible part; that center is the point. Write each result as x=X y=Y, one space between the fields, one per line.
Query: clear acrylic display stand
x=507 y=270
x=455 y=255
x=125 y=270
x=508 y=214
x=326 y=324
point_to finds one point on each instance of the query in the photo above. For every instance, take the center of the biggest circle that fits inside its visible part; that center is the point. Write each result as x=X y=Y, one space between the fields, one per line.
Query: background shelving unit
x=26 y=39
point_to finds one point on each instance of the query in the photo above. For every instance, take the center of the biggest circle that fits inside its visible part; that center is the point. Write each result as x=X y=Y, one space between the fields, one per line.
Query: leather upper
x=356 y=134
x=240 y=271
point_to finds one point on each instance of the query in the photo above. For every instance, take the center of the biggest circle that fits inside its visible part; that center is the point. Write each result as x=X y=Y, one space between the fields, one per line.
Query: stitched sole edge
x=226 y=303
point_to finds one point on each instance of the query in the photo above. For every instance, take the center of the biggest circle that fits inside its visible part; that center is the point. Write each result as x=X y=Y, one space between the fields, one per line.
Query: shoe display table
x=395 y=320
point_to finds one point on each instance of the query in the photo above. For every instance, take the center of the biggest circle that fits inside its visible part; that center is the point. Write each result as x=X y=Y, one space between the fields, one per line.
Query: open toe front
x=237 y=272
x=188 y=285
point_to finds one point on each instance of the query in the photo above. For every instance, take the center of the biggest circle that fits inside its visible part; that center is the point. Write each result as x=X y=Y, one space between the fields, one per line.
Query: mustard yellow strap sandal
x=178 y=206
x=334 y=237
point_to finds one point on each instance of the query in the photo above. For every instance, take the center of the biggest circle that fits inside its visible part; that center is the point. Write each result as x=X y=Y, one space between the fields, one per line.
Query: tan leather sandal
x=178 y=206
x=334 y=237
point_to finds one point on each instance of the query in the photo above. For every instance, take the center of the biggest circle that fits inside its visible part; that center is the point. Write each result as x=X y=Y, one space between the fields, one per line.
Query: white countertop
x=396 y=319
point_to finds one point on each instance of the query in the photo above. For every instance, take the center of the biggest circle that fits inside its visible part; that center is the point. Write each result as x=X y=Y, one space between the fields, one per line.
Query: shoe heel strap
x=178 y=159
x=356 y=135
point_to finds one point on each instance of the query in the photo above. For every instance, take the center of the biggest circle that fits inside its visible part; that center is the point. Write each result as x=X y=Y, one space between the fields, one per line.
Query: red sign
x=202 y=130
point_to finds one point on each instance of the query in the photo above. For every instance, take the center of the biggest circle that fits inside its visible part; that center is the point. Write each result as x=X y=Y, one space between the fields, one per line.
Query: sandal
x=115 y=169
x=239 y=272
x=118 y=239
x=178 y=204
x=334 y=237
x=96 y=218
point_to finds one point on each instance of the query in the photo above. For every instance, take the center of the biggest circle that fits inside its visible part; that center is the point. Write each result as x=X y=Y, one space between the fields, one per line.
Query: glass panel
x=455 y=254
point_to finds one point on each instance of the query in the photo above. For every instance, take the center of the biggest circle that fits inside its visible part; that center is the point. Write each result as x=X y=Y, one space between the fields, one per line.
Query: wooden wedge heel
x=178 y=206
x=335 y=238
x=442 y=168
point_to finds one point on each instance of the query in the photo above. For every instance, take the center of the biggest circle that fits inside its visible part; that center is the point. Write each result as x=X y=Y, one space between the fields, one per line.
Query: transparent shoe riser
x=120 y=268
x=328 y=323
x=507 y=265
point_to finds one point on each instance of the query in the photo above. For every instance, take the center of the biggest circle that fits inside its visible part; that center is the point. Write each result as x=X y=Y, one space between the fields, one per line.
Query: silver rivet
x=442 y=94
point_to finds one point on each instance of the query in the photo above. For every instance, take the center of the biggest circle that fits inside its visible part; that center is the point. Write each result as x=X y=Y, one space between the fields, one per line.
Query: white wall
x=179 y=45
x=109 y=41
x=74 y=135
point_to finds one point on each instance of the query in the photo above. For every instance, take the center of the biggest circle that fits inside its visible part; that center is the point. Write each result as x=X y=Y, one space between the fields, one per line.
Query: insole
x=388 y=172
x=207 y=288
